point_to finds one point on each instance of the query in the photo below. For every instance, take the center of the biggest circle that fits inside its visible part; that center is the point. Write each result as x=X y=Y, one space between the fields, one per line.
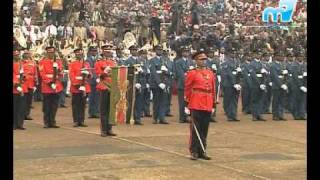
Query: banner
x=118 y=95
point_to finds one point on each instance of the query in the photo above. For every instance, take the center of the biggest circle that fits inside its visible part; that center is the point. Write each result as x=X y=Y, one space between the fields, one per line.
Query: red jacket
x=30 y=70
x=105 y=78
x=46 y=73
x=16 y=79
x=75 y=73
x=200 y=89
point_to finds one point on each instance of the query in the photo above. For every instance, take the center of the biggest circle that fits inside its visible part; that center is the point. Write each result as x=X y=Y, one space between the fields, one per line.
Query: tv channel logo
x=285 y=10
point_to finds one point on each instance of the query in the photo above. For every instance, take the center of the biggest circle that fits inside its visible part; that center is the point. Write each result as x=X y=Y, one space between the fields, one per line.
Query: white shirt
x=50 y=30
x=66 y=31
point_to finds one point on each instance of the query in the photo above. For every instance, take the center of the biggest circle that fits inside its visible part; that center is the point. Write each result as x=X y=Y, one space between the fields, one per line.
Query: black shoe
x=183 y=121
x=28 y=118
x=282 y=119
x=138 y=123
x=261 y=119
x=163 y=122
x=46 y=126
x=55 y=126
x=148 y=115
x=32 y=107
x=169 y=115
x=21 y=128
x=63 y=106
x=275 y=119
x=76 y=125
x=155 y=122
x=233 y=120
x=14 y=128
x=110 y=133
x=103 y=135
x=205 y=157
x=93 y=116
x=83 y=125
x=212 y=120
x=194 y=156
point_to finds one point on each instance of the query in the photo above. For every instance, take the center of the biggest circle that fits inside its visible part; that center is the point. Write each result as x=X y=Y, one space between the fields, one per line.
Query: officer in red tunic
x=19 y=89
x=51 y=72
x=30 y=70
x=79 y=75
x=103 y=71
x=200 y=96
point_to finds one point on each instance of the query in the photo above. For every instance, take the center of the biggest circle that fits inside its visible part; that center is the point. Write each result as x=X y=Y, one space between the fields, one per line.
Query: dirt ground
x=242 y=150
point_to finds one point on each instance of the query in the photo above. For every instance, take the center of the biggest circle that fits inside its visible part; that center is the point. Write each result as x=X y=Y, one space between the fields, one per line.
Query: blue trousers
x=94 y=101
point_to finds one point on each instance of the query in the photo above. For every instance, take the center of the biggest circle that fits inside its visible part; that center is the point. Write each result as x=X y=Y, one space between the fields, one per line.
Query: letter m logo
x=285 y=11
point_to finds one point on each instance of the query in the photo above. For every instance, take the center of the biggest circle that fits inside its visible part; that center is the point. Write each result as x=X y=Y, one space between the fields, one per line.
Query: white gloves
x=164 y=68
x=21 y=71
x=162 y=86
x=304 y=89
x=237 y=86
x=85 y=72
x=34 y=89
x=138 y=85
x=139 y=69
x=238 y=69
x=219 y=78
x=284 y=87
x=107 y=69
x=82 y=88
x=79 y=78
x=98 y=80
x=285 y=71
x=55 y=65
x=213 y=109
x=304 y=73
x=300 y=77
x=148 y=71
x=191 y=67
x=186 y=110
x=65 y=71
x=19 y=89
x=270 y=83
x=234 y=72
x=53 y=86
x=214 y=67
x=148 y=86
x=259 y=75
x=262 y=87
x=264 y=71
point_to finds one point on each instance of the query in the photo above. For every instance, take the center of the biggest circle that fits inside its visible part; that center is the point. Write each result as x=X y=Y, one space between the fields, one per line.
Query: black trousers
x=78 y=107
x=50 y=108
x=182 y=114
x=201 y=119
x=19 y=103
x=104 y=111
x=29 y=97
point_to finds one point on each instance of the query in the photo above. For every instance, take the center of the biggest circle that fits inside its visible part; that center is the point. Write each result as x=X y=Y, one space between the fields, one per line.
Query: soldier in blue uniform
x=299 y=87
x=246 y=84
x=169 y=64
x=140 y=84
x=230 y=79
x=119 y=59
x=258 y=85
x=147 y=92
x=213 y=63
x=158 y=84
x=266 y=96
x=182 y=65
x=94 y=100
x=278 y=74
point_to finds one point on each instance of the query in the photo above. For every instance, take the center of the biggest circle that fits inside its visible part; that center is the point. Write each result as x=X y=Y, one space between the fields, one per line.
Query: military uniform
x=19 y=88
x=79 y=88
x=51 y=86
x=102 y=69
x=147 y=92
x=31 y=74
x=158 y=83
x=182 y=66
x=141 y=81
x=279 y=87
x=214 y=65
x=230 y=72
x=266 y=104
x=258 y=87
x=170 y=65
x=246 y=86
x=94 y=95
x=200 y=97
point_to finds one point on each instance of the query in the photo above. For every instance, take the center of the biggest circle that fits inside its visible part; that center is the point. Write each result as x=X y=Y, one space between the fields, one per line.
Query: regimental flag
x=118 y=95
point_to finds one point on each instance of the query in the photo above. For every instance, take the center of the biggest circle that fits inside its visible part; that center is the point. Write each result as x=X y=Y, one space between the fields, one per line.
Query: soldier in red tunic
x=51 y=72
x=79 y=75
x=199 y=96
x=19 y=89
x=103 y=71
x=30 y=69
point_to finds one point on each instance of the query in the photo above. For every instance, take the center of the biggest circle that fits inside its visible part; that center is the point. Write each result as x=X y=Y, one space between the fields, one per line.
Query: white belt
x=300 y=77
x=259 y=75
x=280 y=77
x=159 y=72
